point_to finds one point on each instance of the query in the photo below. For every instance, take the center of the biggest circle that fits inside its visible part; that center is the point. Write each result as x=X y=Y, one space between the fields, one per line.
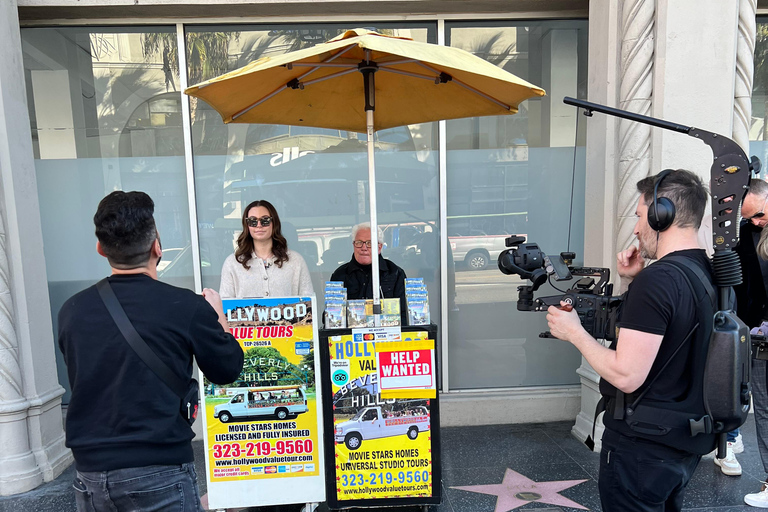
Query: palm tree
x=760 y=84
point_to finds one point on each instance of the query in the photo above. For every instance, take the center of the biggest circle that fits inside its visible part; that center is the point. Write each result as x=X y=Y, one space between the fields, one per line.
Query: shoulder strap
x=136 y=342
x=677 y=262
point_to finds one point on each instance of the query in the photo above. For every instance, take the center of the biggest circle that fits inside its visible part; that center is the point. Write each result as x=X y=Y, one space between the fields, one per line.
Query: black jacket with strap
x=751 y=300
x=357 y=280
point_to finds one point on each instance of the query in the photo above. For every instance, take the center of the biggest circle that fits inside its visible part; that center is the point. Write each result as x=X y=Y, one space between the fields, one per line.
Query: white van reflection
x=373 y=423
x=278 y=402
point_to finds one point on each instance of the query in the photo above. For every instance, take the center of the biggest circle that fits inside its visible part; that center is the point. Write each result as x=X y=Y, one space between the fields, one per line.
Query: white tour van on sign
x=279 y=402
x=373 y=423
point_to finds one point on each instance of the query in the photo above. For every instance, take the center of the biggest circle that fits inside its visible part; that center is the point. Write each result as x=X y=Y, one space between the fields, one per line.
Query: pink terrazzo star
x=517 y=490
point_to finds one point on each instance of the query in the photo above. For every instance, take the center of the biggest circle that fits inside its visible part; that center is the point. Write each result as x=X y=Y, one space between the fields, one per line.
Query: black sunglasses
x=761 y=213
x=254 y=221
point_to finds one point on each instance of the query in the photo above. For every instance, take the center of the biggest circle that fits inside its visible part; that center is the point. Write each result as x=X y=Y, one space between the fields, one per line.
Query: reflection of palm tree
x=485 y=50
x=760 y=84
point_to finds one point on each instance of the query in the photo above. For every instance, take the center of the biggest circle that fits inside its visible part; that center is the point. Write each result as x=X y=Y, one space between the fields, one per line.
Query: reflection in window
x=513 y=175
x=758 y=132
x=105 y=115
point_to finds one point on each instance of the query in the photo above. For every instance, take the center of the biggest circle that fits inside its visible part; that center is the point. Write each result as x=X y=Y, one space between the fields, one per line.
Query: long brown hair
x=245 y=242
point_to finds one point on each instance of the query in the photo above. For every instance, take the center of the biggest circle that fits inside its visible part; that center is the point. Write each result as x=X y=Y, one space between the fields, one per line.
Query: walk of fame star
x=517 y=490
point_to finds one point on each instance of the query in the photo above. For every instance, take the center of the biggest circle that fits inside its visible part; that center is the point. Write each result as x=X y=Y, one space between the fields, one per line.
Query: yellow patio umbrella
x=403 y=81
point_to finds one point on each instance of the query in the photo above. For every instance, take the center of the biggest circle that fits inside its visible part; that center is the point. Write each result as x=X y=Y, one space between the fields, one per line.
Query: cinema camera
x=593 y=301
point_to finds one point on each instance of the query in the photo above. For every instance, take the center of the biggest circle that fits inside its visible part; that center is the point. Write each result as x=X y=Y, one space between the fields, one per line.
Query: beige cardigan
x=265 y=280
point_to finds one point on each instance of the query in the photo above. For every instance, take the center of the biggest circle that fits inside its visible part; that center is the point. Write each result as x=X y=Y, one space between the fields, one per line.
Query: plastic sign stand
x=263 y=433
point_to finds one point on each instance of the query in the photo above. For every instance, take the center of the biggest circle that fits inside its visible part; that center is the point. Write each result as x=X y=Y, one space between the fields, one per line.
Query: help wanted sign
x=406 y=369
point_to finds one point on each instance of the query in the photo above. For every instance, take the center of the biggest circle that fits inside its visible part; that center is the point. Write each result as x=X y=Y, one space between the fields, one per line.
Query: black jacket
x=359 y=284
x=750 y=294
x=121 y=414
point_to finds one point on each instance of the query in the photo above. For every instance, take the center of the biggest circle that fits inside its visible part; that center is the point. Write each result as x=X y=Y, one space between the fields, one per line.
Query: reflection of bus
x=262 y=403
x=375 y=423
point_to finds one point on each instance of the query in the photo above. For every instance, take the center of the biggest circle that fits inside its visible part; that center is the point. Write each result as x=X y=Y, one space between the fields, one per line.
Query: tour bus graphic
x=373 y=423
x=279 y=402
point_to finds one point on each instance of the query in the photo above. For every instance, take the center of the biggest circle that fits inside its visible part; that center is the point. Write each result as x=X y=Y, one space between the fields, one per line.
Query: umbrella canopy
x=404 y=81
x=321 y=86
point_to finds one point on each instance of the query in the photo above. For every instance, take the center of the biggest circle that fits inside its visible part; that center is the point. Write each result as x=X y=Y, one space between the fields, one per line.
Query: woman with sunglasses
x=262 y=265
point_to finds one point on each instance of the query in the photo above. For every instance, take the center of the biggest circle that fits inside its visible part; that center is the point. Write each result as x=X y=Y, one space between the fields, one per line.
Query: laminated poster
x=383 y=447
x=263 y=432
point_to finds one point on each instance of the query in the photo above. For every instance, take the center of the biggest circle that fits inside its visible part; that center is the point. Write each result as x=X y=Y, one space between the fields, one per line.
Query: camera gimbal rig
x=729 y=346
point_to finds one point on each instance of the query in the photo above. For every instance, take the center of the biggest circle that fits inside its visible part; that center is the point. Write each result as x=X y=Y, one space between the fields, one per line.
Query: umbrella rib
x=489 y=98
x=469 y=87
x=408 y=73
x=259 y=102
x=298 y=81
x=329 y=59
x=395 y=62
x=322 y=65
x=327 y=77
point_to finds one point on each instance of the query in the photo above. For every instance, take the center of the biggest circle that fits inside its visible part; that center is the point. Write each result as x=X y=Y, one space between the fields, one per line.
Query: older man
x=356 y=274
x=752 y=308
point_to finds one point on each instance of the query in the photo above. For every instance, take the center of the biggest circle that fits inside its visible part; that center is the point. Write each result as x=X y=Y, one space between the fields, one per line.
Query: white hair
x=367 y=225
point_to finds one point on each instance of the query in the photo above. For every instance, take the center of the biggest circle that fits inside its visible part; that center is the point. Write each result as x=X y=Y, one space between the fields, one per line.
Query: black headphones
x=661 y=212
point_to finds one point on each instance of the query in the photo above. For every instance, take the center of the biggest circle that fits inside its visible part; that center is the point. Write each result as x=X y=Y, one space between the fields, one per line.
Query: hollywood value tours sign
x=263 y=433
x=381 y=415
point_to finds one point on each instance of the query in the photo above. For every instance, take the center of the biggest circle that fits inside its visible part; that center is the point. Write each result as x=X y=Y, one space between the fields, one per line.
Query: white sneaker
x=729 y=465
x=738 y=445
x=758 y=499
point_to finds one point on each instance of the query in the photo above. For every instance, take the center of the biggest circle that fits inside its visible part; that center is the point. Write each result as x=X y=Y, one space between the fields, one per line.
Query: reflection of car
x=277 y=402
x=373 y=423
x=478 y=251
x=177 y=262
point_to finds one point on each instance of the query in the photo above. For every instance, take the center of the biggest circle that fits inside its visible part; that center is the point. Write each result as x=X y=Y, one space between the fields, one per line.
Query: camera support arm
x=730 y=174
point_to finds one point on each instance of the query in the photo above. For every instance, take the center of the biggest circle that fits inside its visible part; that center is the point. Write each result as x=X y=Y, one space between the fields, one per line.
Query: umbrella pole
x=370 y=105
x=374 y=224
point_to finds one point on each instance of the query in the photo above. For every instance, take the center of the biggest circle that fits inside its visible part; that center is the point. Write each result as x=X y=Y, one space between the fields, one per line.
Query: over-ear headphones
x=661 y=212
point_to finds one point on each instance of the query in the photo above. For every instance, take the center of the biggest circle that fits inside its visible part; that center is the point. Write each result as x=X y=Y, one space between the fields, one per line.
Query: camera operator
x=646 y=472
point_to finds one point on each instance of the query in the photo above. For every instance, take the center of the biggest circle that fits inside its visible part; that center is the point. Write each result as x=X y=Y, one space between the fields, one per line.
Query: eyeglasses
x=254 y=221
x=760 y=214
x=360 y=243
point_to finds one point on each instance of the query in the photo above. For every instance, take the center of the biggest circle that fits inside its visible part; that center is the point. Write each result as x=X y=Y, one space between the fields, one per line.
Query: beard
x=648 y=245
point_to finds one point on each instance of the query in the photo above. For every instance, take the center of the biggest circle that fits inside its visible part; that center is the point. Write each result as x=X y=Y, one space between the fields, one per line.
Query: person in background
x=752 y=309
x=356 y=274
x=262 y=265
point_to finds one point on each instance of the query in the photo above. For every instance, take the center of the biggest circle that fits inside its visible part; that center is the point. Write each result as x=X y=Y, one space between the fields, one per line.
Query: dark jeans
x=642 y=476
x=145 y=489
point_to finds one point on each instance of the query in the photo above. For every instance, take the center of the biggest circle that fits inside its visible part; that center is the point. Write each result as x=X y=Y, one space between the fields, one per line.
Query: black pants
x=643 y=476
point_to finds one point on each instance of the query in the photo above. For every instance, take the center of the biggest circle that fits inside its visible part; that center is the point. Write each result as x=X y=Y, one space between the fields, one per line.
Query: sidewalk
x=481 y=456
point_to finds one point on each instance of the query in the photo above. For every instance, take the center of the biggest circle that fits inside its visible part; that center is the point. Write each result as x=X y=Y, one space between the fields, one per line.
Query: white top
x=264 y=278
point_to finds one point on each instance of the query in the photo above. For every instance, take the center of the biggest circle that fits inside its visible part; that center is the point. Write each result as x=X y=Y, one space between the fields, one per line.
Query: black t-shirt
x=659 y=301
x=121 y=414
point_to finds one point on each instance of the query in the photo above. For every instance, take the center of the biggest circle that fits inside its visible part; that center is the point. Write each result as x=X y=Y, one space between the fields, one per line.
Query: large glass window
x=104 y=105
x=523 y=175
x=758 y=133
x=317 y=178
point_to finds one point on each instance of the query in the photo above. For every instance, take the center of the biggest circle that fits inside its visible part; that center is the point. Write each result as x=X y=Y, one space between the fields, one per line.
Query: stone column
x=673 y=59
x=745 y=72
x=31 y=433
